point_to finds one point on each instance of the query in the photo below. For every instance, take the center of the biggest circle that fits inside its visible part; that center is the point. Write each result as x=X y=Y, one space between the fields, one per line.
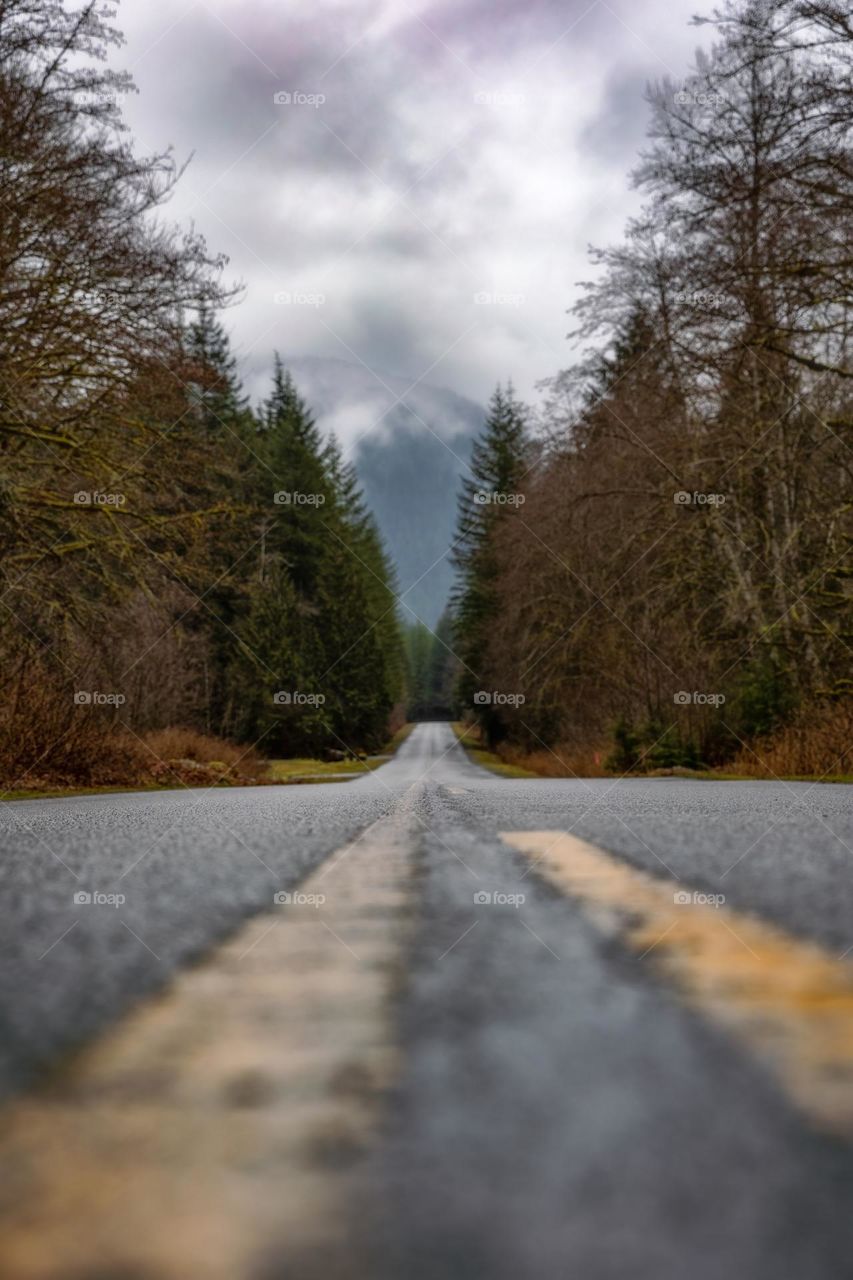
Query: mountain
x=410 y=448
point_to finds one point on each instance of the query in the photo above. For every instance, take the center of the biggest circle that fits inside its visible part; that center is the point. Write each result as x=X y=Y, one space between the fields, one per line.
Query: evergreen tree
x=418 y=659
x=322 y=621
x=444 y=667
x=359 y=532
x=294 y=456
x=211 y=375
x=489 y=496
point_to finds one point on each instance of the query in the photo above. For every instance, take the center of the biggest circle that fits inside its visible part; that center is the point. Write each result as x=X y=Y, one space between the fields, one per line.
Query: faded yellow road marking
x=216 y=1131
x=789 y=1000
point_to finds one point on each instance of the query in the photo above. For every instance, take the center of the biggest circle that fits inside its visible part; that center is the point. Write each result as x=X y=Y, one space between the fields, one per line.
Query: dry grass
x=49 y=741
x=561 y=762
x=178 y=745
x=818 y=746
x=46 y=739
x=564 y=761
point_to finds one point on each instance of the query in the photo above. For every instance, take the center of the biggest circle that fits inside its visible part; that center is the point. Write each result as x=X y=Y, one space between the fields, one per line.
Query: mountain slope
x=410 y=447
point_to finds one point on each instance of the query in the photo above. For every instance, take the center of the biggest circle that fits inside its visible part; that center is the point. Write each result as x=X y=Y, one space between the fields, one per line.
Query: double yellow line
x=790 y=1001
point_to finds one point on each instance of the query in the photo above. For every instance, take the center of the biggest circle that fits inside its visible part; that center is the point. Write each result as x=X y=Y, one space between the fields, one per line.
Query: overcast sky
x=432 y=153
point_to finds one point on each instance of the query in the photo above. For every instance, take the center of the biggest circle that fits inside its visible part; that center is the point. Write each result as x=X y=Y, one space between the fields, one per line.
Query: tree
x=490 y=496
x=92 y=288
x=688 y=585
x=322 y=619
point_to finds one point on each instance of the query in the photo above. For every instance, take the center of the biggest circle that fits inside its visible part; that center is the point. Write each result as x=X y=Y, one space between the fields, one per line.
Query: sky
x=407 y=185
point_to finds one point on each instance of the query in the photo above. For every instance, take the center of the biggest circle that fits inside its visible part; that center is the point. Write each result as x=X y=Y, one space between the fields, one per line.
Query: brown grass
x=563 y=761
x=819 y=745
x=177 y=744
x=48 y=741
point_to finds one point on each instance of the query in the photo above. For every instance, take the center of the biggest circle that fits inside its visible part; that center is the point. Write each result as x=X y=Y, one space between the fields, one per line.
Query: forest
x=171 y=557
x=666 y=580
x=653 y=564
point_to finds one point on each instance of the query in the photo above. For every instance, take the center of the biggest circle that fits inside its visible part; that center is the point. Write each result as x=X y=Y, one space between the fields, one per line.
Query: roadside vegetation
x=188 y=584
x=656 y=571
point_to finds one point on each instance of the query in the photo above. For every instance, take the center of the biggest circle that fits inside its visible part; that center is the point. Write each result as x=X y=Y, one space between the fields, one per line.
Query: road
x=512 y=1028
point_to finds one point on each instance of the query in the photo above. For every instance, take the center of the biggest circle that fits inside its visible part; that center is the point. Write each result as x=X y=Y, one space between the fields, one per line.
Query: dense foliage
x=169 y=556
x=677 y=583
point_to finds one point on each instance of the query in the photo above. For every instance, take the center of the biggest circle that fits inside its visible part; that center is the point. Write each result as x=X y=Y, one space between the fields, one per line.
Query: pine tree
x=322 y=619
x=211 y=374
x=418 y=657
x=489 y=496
x=294 y=456
x=443 y=667
x=373 y=642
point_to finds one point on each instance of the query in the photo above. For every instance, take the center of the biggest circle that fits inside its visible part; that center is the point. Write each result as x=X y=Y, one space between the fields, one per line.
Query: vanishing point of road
x=431 y=1024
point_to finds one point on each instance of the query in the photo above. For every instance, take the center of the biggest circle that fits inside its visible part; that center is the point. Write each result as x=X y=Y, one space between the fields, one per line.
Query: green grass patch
x=468 y=736
x=307 y=769
x=69 y=792
x=302 y=770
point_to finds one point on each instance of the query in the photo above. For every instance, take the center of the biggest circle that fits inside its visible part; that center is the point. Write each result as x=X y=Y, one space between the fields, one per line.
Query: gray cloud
x=463 y=148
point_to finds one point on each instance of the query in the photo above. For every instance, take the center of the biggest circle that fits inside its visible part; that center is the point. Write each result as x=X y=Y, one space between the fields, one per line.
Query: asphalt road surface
x=554 y=1100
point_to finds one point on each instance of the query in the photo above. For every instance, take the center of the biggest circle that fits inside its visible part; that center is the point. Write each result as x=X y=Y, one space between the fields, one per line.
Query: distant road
x=534 y=1029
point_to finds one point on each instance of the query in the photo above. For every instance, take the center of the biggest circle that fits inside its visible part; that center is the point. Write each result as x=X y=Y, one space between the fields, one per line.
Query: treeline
x=431 y=670
x=168 y=554
x=667 y=578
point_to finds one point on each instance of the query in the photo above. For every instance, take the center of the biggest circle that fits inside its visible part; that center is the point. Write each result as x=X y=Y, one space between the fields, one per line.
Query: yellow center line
x=216 y=1129
x=789 y=1001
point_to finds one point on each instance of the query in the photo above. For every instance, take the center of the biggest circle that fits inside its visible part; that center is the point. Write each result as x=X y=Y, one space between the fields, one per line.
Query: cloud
x=430 y=153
